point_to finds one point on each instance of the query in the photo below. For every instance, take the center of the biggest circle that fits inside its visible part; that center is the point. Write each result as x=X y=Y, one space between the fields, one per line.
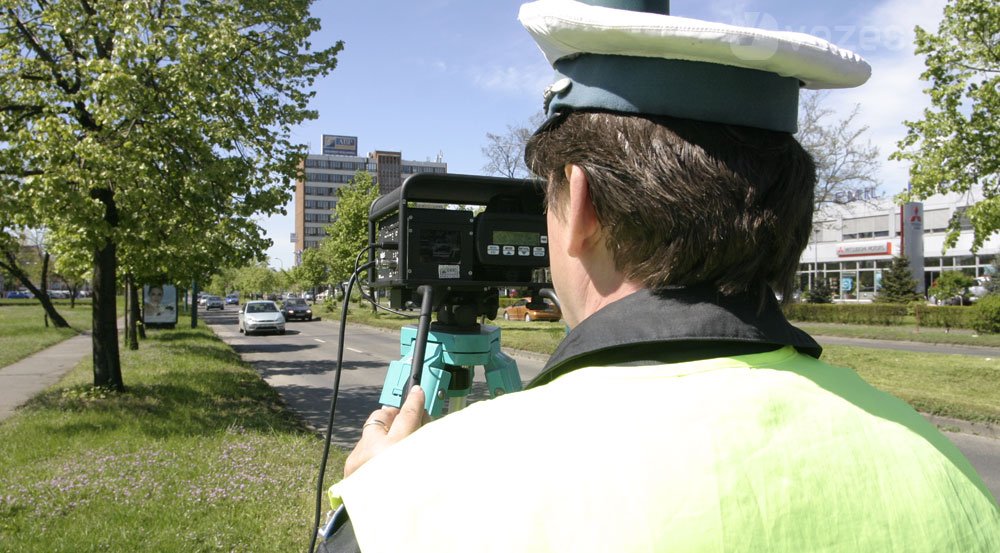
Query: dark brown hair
x=686 y=202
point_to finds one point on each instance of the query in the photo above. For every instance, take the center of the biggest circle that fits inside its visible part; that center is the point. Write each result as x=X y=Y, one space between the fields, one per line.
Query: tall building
x=323 y=174
x=851 y=246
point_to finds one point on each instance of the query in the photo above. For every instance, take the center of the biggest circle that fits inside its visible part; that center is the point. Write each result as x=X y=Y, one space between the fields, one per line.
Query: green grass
x=960 y=386
x=197 y=455
x=23 y=331
x=902 y=333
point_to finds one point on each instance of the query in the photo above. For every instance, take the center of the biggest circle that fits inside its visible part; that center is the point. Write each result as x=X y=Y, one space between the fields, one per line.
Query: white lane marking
x=354 y=350
x=320 y=341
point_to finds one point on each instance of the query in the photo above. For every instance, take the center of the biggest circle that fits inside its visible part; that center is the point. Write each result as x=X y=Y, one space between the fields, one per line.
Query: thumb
x=410 y=416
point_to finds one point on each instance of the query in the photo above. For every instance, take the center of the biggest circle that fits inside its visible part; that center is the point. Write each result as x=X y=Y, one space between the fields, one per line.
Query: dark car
x=296 y=308
x=214 y=302
x=232 y=299
x=18 y=295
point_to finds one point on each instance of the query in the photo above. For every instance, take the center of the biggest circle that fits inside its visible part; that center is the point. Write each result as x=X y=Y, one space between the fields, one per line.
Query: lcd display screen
x=516 y=238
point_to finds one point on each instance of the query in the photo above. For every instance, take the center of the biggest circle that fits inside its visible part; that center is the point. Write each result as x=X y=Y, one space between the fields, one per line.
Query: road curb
x=958 y=426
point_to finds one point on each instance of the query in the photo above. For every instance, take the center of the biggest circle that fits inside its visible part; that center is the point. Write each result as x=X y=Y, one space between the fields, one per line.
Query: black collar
x=697 y=322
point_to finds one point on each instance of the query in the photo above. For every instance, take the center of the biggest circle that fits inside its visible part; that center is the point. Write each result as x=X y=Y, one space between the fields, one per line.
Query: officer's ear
x=581 y=217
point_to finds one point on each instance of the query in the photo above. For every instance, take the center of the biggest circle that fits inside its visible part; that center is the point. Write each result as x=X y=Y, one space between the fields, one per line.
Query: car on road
x=532 y=309
x=214 y=302
x=296 y=308
x=18 y=295
x=232 y=299
x=260 y=316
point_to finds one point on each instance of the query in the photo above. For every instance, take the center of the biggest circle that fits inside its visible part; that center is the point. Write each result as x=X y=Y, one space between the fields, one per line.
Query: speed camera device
x=458 y=233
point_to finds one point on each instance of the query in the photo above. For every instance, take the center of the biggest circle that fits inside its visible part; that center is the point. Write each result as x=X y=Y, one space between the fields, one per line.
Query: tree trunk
x=128 y=307
x=133 y=308
x=42 y=295
x=107 y=362
x=194 y=304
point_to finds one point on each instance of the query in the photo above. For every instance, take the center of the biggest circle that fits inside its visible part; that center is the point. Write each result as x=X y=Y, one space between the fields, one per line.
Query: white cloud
x=525 y=79
x=895 y=92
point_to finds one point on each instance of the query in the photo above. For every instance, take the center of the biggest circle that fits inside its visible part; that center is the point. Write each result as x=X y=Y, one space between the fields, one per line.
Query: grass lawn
x=960 y=386
x=23 y=331
x=198 y=455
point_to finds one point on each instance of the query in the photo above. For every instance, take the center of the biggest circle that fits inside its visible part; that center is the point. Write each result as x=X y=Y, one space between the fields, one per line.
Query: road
x=301 y=366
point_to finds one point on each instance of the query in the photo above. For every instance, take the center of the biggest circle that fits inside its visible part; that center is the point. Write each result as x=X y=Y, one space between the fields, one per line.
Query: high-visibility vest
x=773 y=452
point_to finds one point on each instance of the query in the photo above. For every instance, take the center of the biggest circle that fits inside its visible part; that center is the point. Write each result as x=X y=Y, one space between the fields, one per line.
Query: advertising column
x=912 y=229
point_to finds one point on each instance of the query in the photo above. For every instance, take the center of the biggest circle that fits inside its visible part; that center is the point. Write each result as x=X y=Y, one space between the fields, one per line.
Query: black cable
x=333 y=402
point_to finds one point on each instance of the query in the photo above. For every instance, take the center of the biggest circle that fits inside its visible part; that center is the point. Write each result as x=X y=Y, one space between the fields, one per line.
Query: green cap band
x=677 y=88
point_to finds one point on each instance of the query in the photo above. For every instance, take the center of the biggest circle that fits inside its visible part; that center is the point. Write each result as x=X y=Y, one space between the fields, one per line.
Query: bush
x=986 y=315
x=864 y=313
x=821 y=292
x=942 y=316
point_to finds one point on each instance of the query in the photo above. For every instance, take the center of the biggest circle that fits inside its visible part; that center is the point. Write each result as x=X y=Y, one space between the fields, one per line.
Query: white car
x=260 y=316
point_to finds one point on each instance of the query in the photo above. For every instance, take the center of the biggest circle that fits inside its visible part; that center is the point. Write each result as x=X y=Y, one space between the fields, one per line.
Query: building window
x=865 y=227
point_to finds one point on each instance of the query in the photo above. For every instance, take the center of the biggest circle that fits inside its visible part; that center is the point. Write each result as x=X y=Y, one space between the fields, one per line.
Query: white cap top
x=567 y=28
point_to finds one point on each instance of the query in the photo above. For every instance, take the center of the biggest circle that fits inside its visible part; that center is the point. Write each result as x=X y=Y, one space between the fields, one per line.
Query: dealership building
x=855 y=240
x=323 y=174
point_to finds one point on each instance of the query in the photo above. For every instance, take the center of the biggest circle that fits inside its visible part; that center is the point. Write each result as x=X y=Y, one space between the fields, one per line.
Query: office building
x=323 y=174
x=856 y=240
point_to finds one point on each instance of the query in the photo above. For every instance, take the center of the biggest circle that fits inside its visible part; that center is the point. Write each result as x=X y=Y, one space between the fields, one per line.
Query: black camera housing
x=458 y=233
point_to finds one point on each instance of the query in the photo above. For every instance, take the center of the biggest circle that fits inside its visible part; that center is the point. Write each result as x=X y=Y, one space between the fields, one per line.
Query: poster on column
x=159 y=305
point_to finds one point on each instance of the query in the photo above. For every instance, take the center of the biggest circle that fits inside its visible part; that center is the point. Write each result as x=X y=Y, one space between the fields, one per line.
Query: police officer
x=682 y=412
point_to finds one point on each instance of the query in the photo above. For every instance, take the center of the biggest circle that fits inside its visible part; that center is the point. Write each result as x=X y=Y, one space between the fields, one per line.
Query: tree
x=504 y=153
x=847 y=163
x=955 y=147
x=313 y=271
x=821 y=292
x=152 y=133
x=898 y=285
x=951 y=285
x=255 y=280
x=348 y=233
x=18 y=258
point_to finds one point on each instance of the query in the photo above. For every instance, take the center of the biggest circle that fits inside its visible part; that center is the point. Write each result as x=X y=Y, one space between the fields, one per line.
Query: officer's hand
x=387 y=426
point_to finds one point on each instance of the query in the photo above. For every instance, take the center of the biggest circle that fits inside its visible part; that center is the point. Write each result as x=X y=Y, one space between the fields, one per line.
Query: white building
x=316 y=193
x=851 y=247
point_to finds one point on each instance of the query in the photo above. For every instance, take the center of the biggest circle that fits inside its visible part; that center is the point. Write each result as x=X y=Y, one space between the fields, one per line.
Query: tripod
x=441 y=356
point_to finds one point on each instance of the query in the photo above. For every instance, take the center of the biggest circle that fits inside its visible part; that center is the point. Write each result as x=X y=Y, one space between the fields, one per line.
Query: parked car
x=532 y=309
x=296 y=308
x=214 y=302
x=18 y=295
x=260 y=316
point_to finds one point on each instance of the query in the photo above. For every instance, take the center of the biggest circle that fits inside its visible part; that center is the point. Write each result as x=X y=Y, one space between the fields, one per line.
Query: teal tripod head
x=441 y=356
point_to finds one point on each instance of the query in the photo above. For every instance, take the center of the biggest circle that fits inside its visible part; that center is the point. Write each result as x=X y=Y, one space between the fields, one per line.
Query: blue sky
x=434 y=76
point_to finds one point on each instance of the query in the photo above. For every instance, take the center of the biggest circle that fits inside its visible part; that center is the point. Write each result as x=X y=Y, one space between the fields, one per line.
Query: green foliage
x=954 y=148
x=951 y=284
x=898 y=285
x=312 y=272
x=986 y=315
x=821 y=292
x=348 y=234
x=256 y=280
x=180 y=112
x=942 y=316
x=862 y=313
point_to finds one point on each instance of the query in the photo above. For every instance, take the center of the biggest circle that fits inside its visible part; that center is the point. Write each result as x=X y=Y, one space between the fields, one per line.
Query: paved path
x=919 y=347
x=24 y=379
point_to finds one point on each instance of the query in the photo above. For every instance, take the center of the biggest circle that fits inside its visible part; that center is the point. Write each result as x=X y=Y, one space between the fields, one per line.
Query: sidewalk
x=24 y=379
